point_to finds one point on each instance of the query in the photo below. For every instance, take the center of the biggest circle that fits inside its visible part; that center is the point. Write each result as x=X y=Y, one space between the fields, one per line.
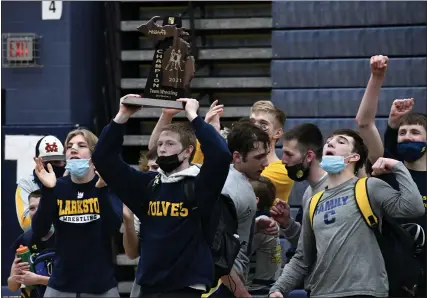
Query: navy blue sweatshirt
x=173 y=252
x=420 y=178
x=85 y=218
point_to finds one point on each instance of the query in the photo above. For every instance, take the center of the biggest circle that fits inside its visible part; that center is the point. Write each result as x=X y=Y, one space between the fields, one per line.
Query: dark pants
x=183 y=293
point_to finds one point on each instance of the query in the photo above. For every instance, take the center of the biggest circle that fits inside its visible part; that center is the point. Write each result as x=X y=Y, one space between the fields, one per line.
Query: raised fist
x=383 y=166
x=399 y=108
x=378 y=65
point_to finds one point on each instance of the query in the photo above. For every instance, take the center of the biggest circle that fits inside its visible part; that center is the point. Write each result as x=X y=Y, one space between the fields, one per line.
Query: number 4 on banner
x=51 y=10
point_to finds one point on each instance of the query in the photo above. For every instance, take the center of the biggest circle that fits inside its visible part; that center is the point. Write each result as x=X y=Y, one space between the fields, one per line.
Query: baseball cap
x=49 y=148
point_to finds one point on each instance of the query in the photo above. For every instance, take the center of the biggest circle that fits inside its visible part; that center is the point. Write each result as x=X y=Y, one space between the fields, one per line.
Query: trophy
x=172 y=68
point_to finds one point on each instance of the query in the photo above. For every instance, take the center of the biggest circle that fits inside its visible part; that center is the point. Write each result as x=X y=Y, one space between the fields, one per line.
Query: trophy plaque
x=172 y=67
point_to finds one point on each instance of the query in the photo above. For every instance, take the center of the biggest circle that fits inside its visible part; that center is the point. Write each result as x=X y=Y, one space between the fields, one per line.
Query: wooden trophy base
x=152 y=102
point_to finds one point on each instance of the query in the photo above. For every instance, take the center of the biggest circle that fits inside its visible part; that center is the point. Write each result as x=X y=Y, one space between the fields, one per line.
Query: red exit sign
x=20 y=49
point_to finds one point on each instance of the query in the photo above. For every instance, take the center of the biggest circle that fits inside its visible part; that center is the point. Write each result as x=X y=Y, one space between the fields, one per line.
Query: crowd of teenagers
x=207 y=208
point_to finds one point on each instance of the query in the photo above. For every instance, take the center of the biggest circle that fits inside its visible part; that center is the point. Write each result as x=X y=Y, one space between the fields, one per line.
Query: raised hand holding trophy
x=172 y=68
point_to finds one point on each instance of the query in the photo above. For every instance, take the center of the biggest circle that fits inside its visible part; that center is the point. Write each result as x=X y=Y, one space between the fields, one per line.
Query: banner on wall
x=21 y=148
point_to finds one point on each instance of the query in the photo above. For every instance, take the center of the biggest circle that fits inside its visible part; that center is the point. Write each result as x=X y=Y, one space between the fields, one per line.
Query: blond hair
x=144 y=157
x=89 y=136
x=268 y=107
x=186 y=134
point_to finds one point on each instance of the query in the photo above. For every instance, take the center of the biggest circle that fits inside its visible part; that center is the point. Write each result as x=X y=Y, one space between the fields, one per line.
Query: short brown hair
x=144 y=157
x=266 y=192
x=89 y=136
x=359 y=146
x=243 y=137
x=308 y=136
x=35 y=194
x=414 y=119
x=186 y=134
x=268 y=107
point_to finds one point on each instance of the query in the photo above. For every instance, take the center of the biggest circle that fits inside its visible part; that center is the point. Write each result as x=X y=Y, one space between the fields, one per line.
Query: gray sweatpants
x=52 y=293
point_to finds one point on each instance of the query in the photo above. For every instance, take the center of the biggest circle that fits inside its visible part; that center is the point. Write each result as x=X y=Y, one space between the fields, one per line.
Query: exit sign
x=20 y=49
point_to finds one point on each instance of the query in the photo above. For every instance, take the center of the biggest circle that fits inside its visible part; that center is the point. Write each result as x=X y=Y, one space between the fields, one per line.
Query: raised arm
x=124 y=181
x=217 y=157
x=405 y=203
x=212 y=117
x=365 y=117
x=214 y=114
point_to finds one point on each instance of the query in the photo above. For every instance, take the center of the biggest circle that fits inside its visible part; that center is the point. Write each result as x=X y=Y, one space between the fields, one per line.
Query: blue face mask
x=77 y=167
x=411 y=151
x=332 y=164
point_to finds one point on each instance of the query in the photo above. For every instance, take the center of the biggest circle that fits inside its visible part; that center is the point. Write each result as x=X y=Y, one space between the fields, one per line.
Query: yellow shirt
x=21 y=201
x=198 y=156
x=275 y=171
x=278 y=174
x=25 y=186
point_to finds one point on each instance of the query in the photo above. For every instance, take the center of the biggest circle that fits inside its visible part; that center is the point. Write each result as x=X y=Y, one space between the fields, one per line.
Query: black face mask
x=59 y=171
x=297 y=172
x=169 y=163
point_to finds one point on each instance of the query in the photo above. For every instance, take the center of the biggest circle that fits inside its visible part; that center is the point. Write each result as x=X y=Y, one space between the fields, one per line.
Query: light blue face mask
x=333 y=164
x=77 y=167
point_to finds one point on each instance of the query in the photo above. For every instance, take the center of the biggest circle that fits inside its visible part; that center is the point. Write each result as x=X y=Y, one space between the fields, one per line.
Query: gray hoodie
x=340 y=253
x=238 y=188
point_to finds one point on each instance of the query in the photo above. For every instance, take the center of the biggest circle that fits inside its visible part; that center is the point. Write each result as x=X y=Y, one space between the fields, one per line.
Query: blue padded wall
x=321 y=53
x=345 y=73
x=404 y=41
x=63 y=91
x=337 y=14
x=340 y=102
